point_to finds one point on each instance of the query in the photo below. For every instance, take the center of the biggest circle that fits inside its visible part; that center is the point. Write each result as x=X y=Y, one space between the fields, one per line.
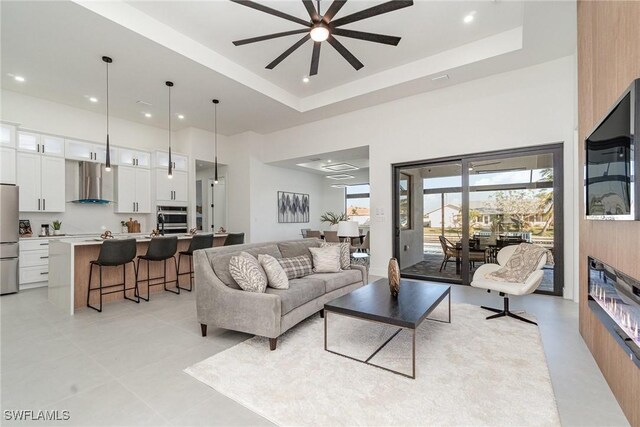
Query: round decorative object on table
x=394 y=277
x=106 y=235
x=193 y=231
x=155 y=233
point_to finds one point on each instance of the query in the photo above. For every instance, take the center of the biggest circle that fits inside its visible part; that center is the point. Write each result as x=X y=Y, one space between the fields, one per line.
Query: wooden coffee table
x=373 y=302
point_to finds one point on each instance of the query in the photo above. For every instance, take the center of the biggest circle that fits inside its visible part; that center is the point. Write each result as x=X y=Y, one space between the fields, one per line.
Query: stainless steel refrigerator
x=9 y=225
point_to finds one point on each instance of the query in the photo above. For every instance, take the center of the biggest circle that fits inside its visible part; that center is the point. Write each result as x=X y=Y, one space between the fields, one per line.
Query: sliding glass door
x=463 y=211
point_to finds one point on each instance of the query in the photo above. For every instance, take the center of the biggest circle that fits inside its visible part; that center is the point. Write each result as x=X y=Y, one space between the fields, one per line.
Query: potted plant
x=56 y=227
x=124 y=229
x=333 y=219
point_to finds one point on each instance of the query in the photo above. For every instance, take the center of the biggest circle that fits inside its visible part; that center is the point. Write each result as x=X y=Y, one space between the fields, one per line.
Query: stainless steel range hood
x=91 y=184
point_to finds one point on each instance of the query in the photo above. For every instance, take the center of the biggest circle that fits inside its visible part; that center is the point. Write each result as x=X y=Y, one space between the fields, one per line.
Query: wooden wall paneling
x=608 y=60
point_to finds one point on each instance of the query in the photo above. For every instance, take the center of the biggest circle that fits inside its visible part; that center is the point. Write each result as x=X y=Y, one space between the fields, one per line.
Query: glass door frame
x=556 y=150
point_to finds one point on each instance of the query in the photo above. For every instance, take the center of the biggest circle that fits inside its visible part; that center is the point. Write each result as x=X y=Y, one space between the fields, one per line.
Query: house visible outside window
x=357 y=204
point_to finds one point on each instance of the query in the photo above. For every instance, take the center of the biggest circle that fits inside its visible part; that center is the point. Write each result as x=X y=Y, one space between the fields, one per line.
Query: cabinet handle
x=137 y=207
x=38 y=147
x=42 y=148
x=134 y=206
x=44 y=244
x=44 y=272
x=44 y=204
x=44 y=257
x=38 y=204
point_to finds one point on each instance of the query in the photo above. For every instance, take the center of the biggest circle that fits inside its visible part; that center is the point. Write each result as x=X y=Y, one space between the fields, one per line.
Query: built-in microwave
x=172 y=219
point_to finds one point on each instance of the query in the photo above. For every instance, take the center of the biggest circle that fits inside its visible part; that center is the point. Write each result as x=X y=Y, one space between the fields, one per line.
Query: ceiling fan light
x=319 y=33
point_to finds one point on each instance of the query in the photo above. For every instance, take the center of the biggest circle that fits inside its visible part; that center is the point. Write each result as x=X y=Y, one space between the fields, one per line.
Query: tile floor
x=124 y=366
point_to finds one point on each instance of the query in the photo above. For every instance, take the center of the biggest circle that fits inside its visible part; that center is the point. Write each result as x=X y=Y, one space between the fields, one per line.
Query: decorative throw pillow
x=296 y=267
x=345 y=253
x=246 y=270
x=276 y=276
x=326 y=260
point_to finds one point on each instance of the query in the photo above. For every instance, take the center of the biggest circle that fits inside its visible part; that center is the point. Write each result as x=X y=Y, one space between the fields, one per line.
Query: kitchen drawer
x=34 y=245
x=34 y=258
x=34 y=274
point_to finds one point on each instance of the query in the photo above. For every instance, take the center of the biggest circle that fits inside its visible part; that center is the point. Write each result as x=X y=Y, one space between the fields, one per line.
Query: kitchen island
x=69 y=267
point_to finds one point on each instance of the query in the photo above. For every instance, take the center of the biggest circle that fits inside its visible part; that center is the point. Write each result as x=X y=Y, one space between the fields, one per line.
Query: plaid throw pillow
x=296 y=267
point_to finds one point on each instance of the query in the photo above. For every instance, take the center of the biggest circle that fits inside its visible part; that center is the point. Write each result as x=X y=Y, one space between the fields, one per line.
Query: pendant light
x=215 y=146
x=107 y=166
x=170 y=174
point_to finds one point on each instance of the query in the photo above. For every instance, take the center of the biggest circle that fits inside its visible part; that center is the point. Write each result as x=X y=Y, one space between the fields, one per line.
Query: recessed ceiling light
x=442 y=77
x=329 y=161
x=469 y=18
x=93 y=99
x=305 y=79
x=180 y=116
x=147 y=115
x=19 y=79
x=339 y=186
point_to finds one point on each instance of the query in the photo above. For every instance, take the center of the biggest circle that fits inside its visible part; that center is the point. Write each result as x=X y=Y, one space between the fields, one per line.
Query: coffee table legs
x=367 y=361
x=449 y=318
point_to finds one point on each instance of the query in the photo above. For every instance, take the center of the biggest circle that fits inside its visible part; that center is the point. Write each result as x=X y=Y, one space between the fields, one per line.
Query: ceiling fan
x=323 y=27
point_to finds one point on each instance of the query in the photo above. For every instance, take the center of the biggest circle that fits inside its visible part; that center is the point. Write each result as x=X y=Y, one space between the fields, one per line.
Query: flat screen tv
x=612 y=191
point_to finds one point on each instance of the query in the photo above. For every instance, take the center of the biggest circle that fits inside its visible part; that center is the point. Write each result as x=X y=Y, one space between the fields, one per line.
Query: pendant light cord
x=215 y=124
x=107 y=97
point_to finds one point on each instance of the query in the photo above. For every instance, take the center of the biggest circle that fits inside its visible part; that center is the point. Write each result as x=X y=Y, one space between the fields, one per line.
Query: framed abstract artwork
x=293 y=207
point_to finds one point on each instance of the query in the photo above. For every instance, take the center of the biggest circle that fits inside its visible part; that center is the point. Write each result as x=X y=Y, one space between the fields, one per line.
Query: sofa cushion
x=276 y=276
x=326 y=259
x=220 y=263
x=298 y=247
x=248 y=273
x=300 y=292
x=296 y=267
x=333 y=281
x=345 y=253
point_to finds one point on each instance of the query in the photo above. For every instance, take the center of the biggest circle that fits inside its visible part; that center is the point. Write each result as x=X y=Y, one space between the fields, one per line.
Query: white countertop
x=96 y=240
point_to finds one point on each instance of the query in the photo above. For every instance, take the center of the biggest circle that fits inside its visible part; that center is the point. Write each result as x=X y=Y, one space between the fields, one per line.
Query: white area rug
x=470 y=372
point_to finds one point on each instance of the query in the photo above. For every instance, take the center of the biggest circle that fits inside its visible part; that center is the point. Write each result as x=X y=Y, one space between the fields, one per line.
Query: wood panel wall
x=608 y=60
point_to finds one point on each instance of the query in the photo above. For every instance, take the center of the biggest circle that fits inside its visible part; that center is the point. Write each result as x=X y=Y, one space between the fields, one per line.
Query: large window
x=357 y=204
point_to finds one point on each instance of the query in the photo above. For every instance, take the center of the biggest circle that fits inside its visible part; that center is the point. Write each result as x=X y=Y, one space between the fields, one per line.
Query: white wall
x=526 y=107
x=59 y=119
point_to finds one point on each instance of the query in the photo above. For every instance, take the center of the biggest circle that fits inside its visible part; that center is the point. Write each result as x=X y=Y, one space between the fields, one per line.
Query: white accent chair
x=507 y=288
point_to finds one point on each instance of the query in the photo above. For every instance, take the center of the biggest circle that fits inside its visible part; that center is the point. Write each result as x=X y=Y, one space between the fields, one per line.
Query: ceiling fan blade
x=370 y=37
x=333 y=9
x=315 y=58
x=311 y=9
x=288 y=52
x=345 y=53
x=269 y=37
x=270 y=11
x=389 y=6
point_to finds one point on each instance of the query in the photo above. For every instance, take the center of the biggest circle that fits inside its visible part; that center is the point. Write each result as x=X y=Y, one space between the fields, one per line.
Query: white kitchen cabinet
x=53 y=184
x=7 y=135
x=41 y=180
x=133 y=188
x=89 y=152
x=47 y=145
x=34 y=262
x=127 y=157
x=7 y=165
x=172 y=191
x=180 y=161
x=28 y=168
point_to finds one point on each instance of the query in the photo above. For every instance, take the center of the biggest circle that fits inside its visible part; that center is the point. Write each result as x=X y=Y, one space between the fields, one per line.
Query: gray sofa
x=221 y=303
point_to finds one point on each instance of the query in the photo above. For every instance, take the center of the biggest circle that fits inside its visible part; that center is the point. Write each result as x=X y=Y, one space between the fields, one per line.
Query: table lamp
x=348 y=229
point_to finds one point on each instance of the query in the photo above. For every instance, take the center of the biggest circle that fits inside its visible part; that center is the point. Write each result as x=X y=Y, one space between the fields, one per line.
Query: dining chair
x=313 y=234
x=449 y=250
x=331 y=237
x=365 y=245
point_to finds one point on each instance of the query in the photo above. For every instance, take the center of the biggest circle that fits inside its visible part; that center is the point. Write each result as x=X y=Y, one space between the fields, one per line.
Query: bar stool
x=114 y=253
x=160 y=249
x=198 y=241
x=234 y=239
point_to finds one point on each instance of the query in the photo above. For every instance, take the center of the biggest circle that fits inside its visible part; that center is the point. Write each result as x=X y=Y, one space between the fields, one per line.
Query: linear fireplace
x=615 y=298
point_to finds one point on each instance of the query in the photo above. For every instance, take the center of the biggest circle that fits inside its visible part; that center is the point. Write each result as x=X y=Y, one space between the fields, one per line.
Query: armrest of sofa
x=224 y=307
x=363 y=270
